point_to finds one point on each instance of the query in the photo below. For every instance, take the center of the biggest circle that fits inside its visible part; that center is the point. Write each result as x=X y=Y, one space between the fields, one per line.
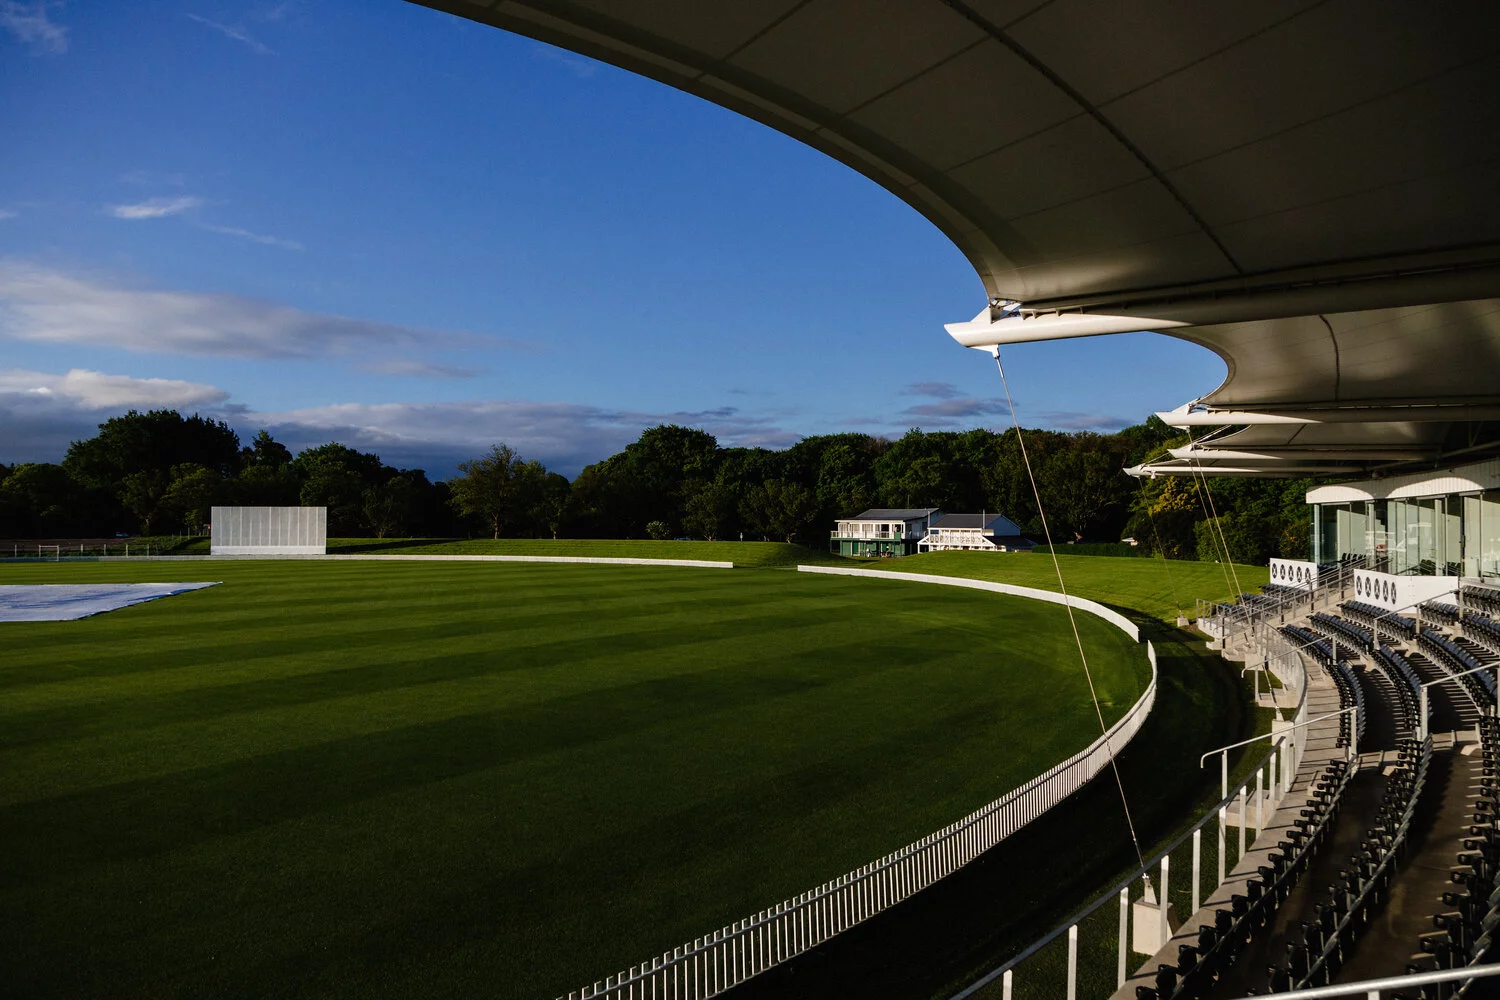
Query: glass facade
x=1433 y=536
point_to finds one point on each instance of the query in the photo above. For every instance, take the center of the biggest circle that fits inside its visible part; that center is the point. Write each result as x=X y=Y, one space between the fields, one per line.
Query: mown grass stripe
x=432 y=788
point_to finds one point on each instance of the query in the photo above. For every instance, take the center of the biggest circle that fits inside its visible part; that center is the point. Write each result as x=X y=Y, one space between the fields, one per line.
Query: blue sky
x=365 y=221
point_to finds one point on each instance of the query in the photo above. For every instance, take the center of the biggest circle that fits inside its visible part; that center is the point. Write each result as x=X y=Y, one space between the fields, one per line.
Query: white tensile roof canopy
x=1306 y=188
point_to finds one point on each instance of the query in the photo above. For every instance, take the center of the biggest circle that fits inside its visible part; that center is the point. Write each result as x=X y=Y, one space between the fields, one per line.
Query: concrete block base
x=1145 y=926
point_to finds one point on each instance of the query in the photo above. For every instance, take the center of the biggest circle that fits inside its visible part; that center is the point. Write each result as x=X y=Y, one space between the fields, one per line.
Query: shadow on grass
x=358 y=545
x=945 y=937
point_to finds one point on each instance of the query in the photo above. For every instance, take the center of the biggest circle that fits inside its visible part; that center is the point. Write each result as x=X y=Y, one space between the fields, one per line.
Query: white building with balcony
x=883 y=531
x=974 y=532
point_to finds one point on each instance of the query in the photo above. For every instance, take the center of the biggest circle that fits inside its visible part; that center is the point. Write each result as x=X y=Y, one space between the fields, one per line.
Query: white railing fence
x=711 y=964
x=1116 y=938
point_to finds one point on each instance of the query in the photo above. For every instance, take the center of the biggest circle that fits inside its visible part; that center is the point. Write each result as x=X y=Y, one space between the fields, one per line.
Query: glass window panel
x=1489 y=533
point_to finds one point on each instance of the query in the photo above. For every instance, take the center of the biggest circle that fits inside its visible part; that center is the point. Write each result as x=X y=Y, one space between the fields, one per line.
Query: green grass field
x=1152 y=586
x=356 y=779
x=742 y=554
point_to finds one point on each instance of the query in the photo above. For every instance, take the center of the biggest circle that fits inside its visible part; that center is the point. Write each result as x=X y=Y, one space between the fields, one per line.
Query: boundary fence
x=711 y=964
x=1116 y=619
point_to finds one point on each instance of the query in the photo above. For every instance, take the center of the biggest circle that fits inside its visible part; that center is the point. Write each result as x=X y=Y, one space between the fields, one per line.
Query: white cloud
x=958 y=408
x=437 y=436
x=934 y=390
x=233 y=31
x=6 y=213
x=1072 y=420
x=155 y=208
x=418 y=369
x=40 y=413
x=39 y=304
x=245 y=234
x=30 y=23
x=96 y=390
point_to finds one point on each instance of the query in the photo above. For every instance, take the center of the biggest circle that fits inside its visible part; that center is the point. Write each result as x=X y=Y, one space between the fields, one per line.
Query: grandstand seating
x=1356 y=637
x=1464 y=933
x=1408 y=684
x=1380 y=621
x=1317 y=647
x=1456 y=660
x=1439 y=613
x=1307 y=956
x=1281 y=590
x=1366 y=883
x=1481 y=629
x=1486 y=599
x=1200 y=965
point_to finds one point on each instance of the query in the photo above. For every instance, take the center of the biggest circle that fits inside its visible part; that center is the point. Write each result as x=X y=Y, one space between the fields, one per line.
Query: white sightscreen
x=269 y=531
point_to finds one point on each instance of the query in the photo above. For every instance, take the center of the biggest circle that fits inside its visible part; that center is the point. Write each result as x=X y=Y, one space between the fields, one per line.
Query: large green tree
x=497 y=488
x=154 y=441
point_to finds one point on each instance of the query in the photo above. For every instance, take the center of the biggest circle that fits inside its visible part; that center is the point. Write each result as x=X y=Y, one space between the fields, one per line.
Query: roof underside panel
x=1429 y=353
x=1308 y=185
x=1080 y=149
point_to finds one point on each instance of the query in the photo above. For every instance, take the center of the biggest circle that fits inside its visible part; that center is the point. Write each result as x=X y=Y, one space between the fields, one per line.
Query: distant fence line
x=439 y=557
x=719 y=961
x=1116 y=619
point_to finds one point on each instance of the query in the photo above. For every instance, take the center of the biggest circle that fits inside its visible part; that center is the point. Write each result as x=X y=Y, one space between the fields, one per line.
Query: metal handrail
x=1218 y=810
x=1353 y=746
x=1422 y=690
x=1372 y=988
x=1111 y=894
x=1250 y=617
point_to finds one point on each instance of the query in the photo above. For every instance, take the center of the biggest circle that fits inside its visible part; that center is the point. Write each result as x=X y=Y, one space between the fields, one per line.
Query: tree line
x=161 y=472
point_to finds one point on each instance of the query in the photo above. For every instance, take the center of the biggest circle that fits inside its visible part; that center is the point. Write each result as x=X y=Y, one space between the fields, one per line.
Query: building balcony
x=874 y=536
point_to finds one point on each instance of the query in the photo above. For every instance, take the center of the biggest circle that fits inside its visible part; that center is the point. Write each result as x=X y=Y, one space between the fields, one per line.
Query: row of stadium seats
x=1200 y=965
x=1439 y=613
x=1408 y=684
x=1365 y=885
x=1464 y=932
x=1318 y=648
x=1456 y=660
x=1481 y=629
x=1361 y=639
x=1281 y=590
x=1382 y=622
x=1486 y=599
x=1351 y=695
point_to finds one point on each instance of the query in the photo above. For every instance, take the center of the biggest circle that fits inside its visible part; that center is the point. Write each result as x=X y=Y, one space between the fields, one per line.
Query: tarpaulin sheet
x=64 y=602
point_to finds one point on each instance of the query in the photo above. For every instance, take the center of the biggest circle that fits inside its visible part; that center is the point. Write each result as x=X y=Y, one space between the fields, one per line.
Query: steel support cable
x=1068 y=604
x=1176 y=599
x=1228 y=556
x=1215 y=536
x=1215 y=522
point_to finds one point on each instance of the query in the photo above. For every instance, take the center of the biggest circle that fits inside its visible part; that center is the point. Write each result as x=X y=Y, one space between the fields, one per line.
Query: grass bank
x=745 y=554
x=1155 y=587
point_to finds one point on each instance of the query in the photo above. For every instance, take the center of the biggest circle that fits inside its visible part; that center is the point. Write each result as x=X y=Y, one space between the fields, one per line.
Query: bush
x=659 y=530
x=1250 y=539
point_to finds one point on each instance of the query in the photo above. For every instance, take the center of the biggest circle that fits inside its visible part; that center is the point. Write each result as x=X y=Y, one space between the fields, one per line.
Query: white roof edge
x=1468 y=478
